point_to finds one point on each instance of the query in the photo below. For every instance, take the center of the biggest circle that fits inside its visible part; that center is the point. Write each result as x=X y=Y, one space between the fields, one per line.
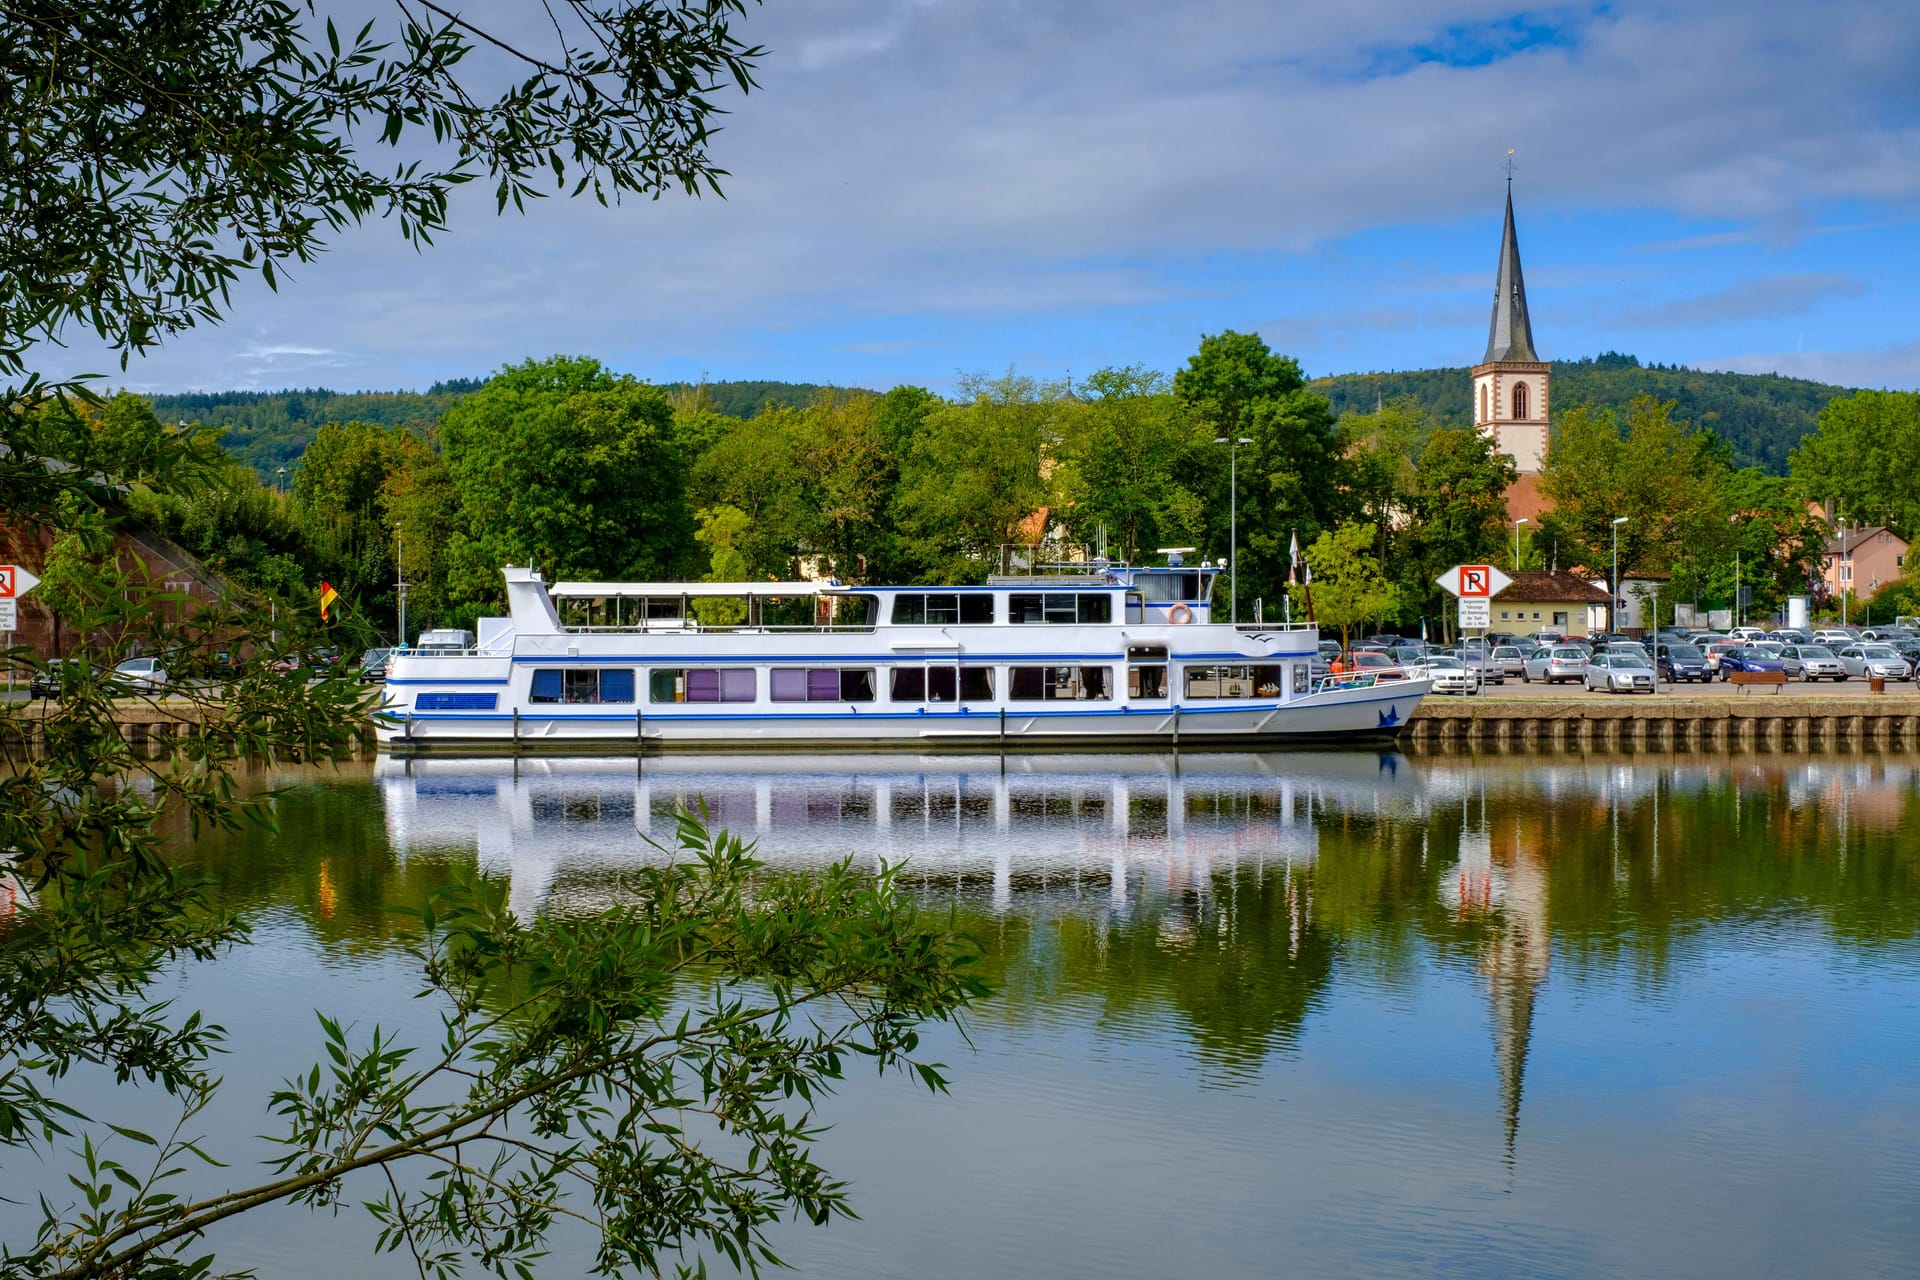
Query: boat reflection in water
x=558 y=829
x=1229 y=896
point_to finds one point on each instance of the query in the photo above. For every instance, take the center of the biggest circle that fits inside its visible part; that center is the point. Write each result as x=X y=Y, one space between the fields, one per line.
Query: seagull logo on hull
x=1390 y=717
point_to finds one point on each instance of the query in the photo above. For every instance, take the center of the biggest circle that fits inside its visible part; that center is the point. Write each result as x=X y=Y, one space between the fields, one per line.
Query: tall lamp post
x=1613 y=603
x=1516 y=542
x=1233 y=444
x=1846 y=581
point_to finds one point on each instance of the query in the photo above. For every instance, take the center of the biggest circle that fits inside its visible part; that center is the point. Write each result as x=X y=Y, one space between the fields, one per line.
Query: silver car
x=1874 y=660
x=1552 y=665
x=1450 y=675
x=1812 y=662
x=1616 y=672
x=1510 y=659
x=145 y=675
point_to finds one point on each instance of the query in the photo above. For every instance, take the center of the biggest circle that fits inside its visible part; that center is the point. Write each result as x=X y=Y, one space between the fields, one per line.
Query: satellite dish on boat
x=1176 y=556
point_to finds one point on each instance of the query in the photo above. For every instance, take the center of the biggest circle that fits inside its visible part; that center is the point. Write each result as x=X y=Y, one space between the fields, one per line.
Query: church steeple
x=1510 y=382
x=1510 y=336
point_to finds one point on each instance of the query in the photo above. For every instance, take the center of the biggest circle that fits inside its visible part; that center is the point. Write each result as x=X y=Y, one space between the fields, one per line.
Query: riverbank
x=1520 y=718
x=1795 y=716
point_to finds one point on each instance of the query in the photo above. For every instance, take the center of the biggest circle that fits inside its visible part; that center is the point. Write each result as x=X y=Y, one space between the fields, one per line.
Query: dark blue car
x=1748 y=660
x=1679 y=662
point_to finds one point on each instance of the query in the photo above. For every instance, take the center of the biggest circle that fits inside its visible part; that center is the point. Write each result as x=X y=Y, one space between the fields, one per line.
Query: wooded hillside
x=1762 y=416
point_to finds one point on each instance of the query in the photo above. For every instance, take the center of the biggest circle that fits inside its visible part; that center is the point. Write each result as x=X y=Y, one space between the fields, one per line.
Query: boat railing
x=680 y=626
x=1345 y=680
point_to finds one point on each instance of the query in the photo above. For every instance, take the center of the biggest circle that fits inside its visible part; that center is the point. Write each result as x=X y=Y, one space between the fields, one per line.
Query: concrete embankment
x=1760 y=718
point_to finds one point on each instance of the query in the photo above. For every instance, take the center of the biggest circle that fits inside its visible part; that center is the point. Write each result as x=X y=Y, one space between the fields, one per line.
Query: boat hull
x=1369 y=714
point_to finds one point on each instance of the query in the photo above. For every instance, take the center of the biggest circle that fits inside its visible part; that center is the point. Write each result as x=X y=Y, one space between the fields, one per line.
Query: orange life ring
x=1179 y=613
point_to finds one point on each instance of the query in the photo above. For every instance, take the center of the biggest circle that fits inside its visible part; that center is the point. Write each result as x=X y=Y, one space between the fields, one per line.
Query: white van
x=445 y=641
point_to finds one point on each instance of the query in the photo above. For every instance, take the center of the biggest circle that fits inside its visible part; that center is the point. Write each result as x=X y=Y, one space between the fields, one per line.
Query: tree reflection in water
x=1219 y=895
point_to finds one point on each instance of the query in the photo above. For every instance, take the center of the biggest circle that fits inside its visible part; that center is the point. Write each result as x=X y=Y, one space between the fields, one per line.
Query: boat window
x=1147 y=682
x=821 y=684
x=1136 y=607
x=943 y=608
x=581 y=685
x=1059 y=607
x=939 y=684
x=1233 y=682
x=855 y=611
x=1300 y=677
x=1059 y=684
x=701 y=684
x=1162 y=587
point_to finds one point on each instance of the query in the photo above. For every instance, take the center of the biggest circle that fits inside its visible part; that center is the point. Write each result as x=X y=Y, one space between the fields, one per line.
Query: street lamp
x=1846 y=582
x=1613 y=604
x=282 y=473
x=1516 y=542
x=1233 y=526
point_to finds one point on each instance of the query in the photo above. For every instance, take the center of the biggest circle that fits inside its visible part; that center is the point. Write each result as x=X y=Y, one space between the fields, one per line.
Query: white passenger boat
x=1122 y=656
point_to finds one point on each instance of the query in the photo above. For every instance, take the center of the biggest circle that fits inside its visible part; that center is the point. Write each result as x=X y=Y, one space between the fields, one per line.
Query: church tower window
x=1484 y=417
x=1520 y=402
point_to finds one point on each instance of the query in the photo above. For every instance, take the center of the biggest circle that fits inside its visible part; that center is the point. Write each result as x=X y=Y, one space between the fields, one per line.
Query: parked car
x=1749 y=659
x=1715 y=650
x=1874 y=660
x=1372 y=662
x=143 y=675
x=1811 y=662
x=1748 y=634
x=1450 y=675
x=1886 y=635
x=56 y=678
x=1511 y=659
x=373 y=666
x=1561 y=662
x=1790 y=635
x=1683 y=662
x=1838 y=637
x=1617 y=671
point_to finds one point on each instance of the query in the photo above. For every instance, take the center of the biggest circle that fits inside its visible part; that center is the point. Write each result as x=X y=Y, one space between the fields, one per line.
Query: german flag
x=327 y=597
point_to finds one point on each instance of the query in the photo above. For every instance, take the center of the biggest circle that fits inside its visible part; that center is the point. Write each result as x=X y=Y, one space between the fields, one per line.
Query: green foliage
x=1293 y=475
x=1348 y=585
x=1761 y=416
x=970 y=482
x=161 y=154
x=1126 y=457
x=1864 y=461
x=561 y=464
x=1459 y=512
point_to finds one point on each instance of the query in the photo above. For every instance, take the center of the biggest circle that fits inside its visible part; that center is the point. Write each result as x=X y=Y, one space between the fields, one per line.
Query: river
x=1322 y=1014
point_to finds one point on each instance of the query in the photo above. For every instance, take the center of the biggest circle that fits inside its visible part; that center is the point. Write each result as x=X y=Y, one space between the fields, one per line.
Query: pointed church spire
x=1511 y=335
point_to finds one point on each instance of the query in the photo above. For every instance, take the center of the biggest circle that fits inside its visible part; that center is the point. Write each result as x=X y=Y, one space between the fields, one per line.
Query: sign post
x=14 y=583
x=1475 y=585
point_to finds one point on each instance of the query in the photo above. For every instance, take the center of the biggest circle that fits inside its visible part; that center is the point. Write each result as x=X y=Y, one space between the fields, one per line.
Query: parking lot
x=1855 y=688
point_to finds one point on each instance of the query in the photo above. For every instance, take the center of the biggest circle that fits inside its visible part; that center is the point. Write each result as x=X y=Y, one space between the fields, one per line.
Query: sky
x=922 y=189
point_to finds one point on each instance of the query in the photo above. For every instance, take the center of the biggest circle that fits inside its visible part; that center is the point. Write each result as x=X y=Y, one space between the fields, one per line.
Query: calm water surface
x=1343 y=1014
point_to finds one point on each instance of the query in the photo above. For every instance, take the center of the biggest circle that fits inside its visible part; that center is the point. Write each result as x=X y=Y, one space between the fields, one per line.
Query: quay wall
x=1761 y=719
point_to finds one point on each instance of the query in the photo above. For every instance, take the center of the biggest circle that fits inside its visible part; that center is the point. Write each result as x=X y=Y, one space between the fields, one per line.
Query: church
x=1510 y=384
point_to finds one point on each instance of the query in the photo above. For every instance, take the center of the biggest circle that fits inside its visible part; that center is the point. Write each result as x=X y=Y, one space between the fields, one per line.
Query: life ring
x=1179 y=614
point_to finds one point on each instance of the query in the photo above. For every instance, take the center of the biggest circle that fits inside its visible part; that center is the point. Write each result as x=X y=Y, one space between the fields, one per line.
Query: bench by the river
x=1774 y=678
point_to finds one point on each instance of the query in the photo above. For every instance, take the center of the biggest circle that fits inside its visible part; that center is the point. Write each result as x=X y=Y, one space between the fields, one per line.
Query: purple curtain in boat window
x=703 y=686
x=789 y=686
x=823 y=684
x=736 y=685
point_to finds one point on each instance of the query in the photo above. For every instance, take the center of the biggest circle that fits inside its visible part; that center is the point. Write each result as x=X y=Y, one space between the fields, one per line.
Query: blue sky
x=923 y=187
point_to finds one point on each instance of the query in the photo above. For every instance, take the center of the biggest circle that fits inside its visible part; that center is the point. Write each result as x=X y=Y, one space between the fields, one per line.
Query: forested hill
x=1762 y=415
x=270 y=429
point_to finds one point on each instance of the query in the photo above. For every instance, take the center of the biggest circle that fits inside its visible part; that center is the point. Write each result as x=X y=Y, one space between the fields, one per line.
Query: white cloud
x=916 y=159
x=1896 y=367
